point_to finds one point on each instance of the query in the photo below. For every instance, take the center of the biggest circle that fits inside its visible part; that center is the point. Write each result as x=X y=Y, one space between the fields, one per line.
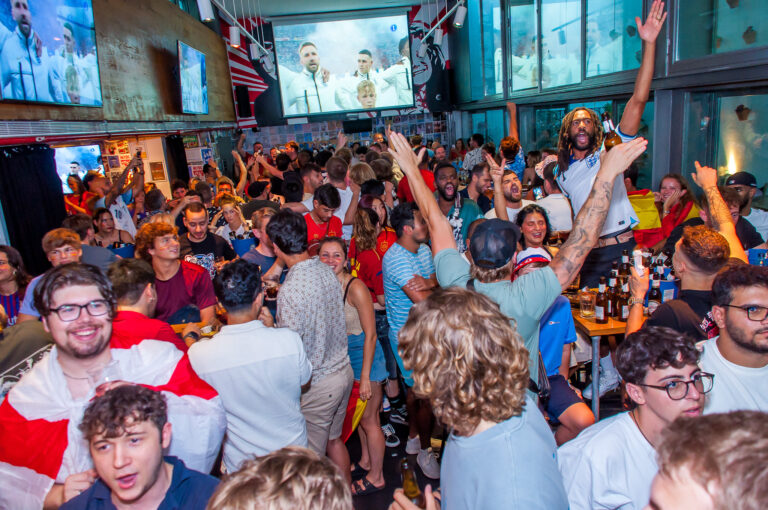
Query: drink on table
x=624 y=266
x=615 y=269
x=613 y=296
x=654 y=296
x=587 y=303
x=602 y=304
x=622 y=303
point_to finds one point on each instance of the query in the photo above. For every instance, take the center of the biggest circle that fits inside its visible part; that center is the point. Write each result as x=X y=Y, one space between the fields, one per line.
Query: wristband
x=194 y=336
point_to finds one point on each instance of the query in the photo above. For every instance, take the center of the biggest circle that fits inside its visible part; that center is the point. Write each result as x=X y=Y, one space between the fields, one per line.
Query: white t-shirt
x=559 y=212
x=120 y=213
x=224 y=231
x=346 y=200
x=609 y=465
x=735 y=388
x=512 y=213
x=258 y=372
x=576 y=183
x=759 y=219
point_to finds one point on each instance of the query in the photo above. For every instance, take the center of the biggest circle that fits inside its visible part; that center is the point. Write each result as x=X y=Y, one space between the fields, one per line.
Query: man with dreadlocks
x=579 y=146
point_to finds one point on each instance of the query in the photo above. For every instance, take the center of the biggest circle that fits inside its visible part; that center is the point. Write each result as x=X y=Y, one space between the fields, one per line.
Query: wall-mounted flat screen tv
x=194 y=87
x=344 y=65
x=78 y=160
x=48 y=52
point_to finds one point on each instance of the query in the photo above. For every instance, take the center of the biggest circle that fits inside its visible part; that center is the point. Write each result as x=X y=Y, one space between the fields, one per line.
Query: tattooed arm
x=589 y=222
x=719 y=215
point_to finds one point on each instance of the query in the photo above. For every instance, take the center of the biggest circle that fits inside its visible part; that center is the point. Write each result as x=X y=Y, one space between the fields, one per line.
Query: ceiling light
x=458 y=19
x=206 y=10
x=234 y=37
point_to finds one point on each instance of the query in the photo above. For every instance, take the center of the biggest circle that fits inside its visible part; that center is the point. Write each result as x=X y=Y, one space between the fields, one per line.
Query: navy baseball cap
x=494 y=243
x=741 y=179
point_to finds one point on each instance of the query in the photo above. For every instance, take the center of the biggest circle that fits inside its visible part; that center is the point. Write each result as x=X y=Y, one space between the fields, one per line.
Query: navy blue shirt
x=189 y=490
x=483 y=202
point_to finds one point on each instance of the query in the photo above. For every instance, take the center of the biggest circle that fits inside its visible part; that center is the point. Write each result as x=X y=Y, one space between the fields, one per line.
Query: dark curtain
x=177 y=158
x=32 y=199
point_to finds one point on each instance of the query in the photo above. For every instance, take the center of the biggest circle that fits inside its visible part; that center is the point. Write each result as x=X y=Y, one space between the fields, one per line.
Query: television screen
x=342 y=66
x=194 y=87
x=77 y=160
x=48 y=52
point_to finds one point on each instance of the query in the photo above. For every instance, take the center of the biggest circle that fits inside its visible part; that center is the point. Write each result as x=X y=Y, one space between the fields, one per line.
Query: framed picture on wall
x=157 y=170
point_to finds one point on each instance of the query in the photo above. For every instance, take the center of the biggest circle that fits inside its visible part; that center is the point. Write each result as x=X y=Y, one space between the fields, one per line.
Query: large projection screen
x=48 y=52
x=344 y=66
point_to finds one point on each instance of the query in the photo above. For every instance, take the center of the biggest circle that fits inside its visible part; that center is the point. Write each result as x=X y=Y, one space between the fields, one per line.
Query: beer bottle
x=623 y=302
x=613 y=296
x=654 y=296
x=614 y=269
x=668 y=260
x=601 y=303
x=612 y=138
x=624 y=266
x=410 y=486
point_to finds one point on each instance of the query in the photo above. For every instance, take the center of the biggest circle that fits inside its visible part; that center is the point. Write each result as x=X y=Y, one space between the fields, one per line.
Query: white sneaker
x=427 y=461
x=609 y=380
x=385 y=405
x=390 y=438
x=413 y=446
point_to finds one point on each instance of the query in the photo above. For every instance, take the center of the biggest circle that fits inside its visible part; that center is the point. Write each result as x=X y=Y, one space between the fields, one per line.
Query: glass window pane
x=645 y=161
x=492 y=56
x=522 y=32
x=560 y=42
x=478 y=123
x=495 y=121
x=719 y=26
x=699 y=132
x=742 y=135
x=548 y=122
x=612 y=41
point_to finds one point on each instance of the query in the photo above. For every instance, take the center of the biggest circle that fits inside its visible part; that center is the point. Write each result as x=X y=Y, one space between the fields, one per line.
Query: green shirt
x=524 y=301
x=468 y=213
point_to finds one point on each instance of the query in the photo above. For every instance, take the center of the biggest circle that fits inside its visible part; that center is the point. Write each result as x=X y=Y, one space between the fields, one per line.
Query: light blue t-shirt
x=556 y=329
x=398 y=267
x=524 y=301
x=511 y=465
x=517 y=165
x=28 y=305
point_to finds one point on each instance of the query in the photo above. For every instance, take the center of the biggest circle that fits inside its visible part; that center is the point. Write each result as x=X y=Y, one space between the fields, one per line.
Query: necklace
x=634 y=419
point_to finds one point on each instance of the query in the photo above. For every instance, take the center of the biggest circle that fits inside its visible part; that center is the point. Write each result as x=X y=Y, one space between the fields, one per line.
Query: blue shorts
x=561 y=396
x=355 y=345
x=407 y=379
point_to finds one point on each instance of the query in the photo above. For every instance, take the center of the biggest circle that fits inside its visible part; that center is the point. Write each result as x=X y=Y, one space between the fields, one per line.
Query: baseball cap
x=531 y=255
x=741 y=179
x=494 y=243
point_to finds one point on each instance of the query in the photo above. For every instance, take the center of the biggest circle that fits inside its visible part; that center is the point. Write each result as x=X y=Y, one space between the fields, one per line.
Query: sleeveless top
x=350 y=313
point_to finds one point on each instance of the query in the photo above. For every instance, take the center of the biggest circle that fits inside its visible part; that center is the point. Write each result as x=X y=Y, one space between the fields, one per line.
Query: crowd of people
x=217 y=348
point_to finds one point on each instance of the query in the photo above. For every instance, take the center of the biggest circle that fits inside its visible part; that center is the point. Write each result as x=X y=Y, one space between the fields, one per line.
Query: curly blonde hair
x=292 y=478
x=466 y=358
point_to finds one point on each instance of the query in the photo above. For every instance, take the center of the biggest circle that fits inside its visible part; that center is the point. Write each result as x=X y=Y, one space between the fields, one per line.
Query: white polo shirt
x=576 y=184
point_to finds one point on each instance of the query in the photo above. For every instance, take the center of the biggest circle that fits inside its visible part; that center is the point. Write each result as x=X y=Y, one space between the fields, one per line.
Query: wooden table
x=179 y=328
x=596 y=331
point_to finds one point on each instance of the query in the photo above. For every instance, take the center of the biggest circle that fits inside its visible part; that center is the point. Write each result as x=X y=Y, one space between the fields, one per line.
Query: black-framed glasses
x=755 y=313
x=678 y=390
x=69 y=313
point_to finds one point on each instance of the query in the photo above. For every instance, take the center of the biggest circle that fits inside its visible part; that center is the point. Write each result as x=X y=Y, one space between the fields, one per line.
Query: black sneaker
x=399 y=415
x=390 y=438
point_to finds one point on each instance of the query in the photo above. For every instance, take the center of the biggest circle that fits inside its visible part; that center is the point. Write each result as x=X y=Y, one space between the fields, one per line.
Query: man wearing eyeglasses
x=44 y=460
x=612 y=463
x=61 y=246
x=739 y=356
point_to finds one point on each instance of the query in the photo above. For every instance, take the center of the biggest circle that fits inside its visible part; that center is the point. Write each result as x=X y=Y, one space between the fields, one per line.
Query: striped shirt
x=399 y=265
x=11 y=304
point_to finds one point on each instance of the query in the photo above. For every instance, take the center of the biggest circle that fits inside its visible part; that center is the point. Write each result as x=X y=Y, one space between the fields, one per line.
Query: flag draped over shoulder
x=40 y=443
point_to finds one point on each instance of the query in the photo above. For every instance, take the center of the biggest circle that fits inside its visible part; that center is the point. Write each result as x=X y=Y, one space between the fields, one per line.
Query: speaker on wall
x=243 y=102
x=358 y=126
